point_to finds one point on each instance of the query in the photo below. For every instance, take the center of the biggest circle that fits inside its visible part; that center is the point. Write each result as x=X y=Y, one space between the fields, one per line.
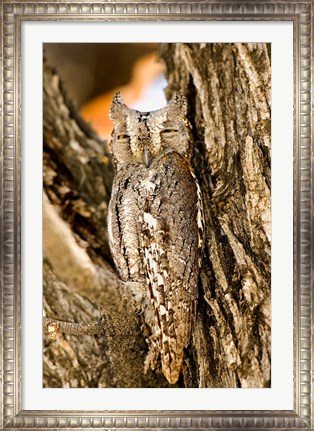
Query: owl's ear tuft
x=178 y=102
x=117 y=107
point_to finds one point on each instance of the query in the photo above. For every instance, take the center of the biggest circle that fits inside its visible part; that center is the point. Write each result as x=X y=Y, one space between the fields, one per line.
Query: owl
x=156 y=224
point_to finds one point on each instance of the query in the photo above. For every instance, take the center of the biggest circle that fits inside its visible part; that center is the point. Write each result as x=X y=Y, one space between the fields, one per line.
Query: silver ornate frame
x=12 y=14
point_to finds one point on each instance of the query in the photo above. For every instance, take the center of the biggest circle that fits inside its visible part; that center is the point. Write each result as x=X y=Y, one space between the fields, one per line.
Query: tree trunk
x=228 y=92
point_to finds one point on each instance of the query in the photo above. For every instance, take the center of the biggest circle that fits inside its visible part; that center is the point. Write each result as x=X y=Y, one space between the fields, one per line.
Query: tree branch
x=92 y=328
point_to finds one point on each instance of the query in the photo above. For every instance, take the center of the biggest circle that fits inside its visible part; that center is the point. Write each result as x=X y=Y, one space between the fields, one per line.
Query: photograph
x=157 y=215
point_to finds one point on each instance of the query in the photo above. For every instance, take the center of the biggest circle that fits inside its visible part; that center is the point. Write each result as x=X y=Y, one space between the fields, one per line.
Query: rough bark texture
x=228 y=91
x=228 y=87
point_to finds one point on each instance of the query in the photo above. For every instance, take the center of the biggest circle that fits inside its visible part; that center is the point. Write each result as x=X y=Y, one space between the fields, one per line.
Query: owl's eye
x=169 y=131
x=122 y=137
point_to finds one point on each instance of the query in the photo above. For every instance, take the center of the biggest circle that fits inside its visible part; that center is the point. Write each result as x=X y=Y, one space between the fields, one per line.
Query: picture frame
x=13 y=14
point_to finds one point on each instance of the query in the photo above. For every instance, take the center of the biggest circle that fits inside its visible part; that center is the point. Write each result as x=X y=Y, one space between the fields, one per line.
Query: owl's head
x=141 y=137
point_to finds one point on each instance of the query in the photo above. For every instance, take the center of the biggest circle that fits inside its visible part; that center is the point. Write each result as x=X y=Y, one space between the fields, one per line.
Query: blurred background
x=93 y=73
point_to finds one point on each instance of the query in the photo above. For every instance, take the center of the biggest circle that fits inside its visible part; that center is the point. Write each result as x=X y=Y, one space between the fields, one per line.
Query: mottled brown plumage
x=156 y=224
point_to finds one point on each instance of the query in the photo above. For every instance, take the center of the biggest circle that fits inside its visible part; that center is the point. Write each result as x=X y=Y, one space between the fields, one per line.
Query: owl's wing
x=171 y=244
x=124 y=226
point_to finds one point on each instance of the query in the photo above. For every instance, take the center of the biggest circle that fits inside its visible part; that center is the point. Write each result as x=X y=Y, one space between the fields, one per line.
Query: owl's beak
x=147 y=157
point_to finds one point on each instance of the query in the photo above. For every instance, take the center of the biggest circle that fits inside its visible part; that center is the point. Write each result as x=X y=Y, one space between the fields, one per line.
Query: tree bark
x=228 y=91
x=228 y=88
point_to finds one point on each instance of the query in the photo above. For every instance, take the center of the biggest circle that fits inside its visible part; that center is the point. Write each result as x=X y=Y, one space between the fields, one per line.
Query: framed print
x=156 y=215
